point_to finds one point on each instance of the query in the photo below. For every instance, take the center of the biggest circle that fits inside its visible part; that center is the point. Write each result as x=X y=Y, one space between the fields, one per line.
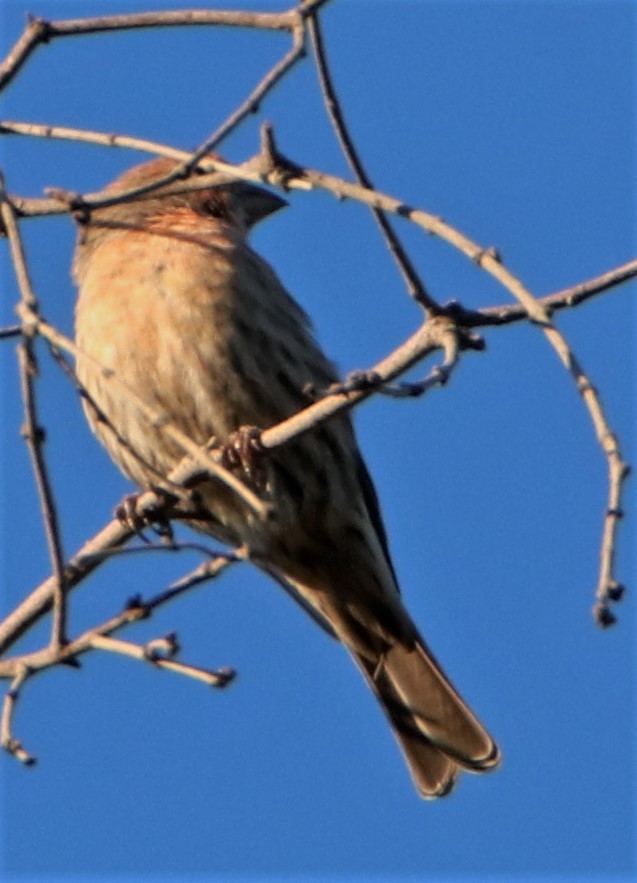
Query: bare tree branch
x=7 y=739
x=32 y=432
x=448 y=328
x=39 y=31
x=415 y=285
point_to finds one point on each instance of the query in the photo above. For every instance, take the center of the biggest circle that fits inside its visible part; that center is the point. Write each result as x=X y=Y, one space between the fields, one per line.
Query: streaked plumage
x=173 y=299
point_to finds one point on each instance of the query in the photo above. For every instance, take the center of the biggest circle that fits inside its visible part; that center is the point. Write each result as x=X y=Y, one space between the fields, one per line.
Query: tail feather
x=437 y=710
x=437 y=732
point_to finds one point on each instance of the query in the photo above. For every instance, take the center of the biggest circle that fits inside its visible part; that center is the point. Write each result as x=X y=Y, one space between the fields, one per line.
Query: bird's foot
x=128 y=512
x=244 y=451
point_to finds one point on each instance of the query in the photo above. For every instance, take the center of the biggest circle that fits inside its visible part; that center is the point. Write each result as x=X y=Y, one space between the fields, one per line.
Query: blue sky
x=515 y=122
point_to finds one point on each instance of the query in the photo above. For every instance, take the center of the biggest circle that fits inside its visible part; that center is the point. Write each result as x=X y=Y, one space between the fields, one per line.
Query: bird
x=174 y=302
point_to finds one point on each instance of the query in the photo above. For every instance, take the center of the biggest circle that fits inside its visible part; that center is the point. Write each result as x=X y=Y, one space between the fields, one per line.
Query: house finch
x=174 y=301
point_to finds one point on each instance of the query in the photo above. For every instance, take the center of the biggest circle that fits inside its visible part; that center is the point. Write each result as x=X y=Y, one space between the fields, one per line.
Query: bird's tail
x=437 y=732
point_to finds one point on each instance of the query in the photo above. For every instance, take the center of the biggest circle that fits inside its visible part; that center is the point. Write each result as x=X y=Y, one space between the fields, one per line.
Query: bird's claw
x=129 y=514
x=244 y=451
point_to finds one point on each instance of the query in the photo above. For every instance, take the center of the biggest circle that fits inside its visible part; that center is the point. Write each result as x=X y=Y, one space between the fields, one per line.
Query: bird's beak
x=257 y=203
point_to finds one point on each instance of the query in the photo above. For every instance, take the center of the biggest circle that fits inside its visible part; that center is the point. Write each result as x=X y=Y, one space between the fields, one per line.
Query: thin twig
x=32 y=432
x=438 y=376
x=559 y=300
x=252 y=102
x=415 y=285
x=207 y=570
x=219 y=678
x=90 y=136
x=135 y=611
x=432 y=335
x=39 y=31
x=7 y=739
